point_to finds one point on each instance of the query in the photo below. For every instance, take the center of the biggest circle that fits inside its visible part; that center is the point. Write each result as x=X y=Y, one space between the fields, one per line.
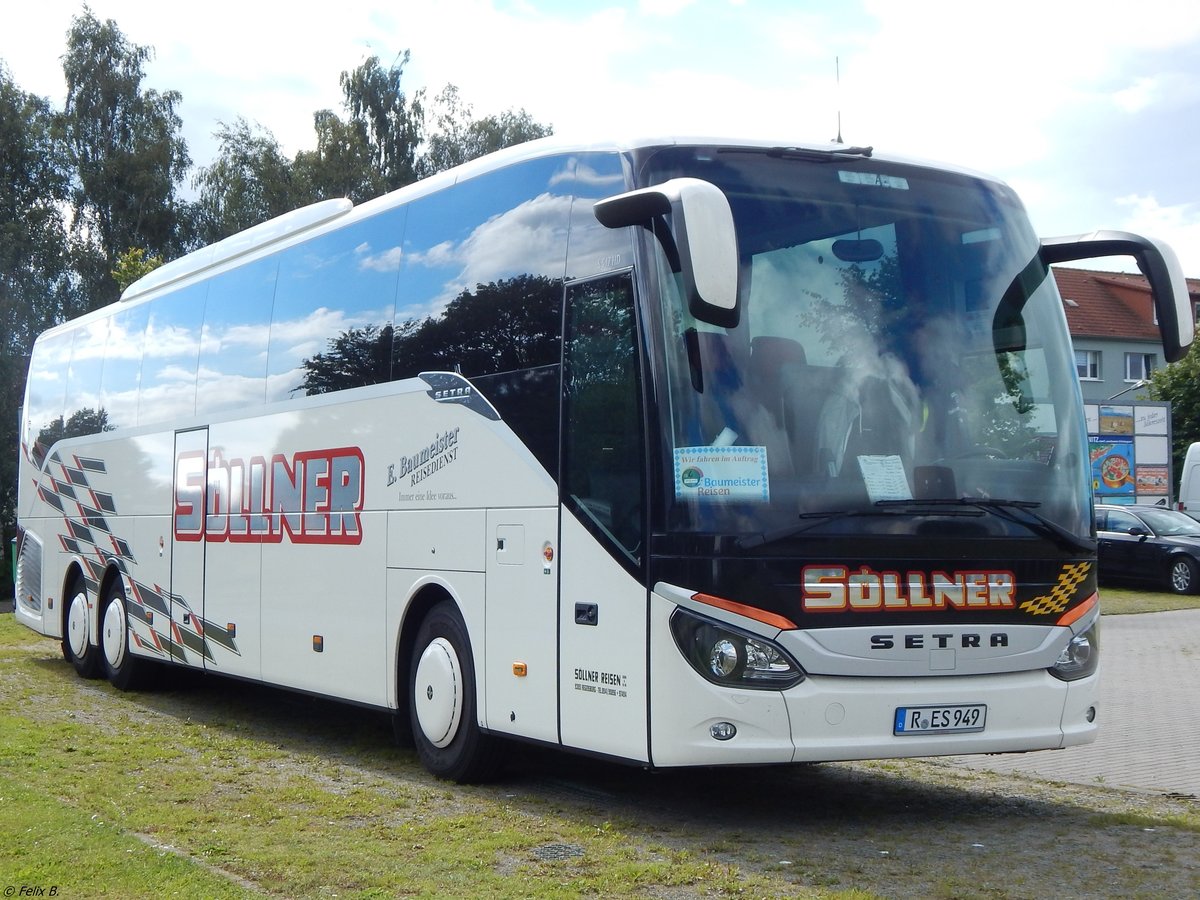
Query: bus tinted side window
x=170 y=354
x=481 y=292
x=123 y=366
x=233 y=345
x=331 y=328
x=595 y=249
x=47 y=393
x=82 y=413
x=604 y=459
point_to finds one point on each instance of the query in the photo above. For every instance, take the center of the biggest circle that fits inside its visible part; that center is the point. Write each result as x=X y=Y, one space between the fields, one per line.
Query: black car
x=1149 y=544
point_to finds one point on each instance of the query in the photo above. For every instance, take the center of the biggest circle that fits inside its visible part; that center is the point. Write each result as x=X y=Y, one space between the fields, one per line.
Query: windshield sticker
x=722 y=474
x=885 y=478
x=874 y=179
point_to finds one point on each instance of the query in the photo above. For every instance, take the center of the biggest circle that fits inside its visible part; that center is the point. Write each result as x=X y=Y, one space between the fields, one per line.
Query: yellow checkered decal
x=1061 y=594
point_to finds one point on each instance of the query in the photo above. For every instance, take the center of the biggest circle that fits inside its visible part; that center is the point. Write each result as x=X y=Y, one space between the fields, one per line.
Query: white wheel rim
x=437 y=692
x=77 y=625
x=113 y=636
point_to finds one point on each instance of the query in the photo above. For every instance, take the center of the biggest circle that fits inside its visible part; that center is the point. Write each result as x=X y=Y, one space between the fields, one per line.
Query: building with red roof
x=1113 y=329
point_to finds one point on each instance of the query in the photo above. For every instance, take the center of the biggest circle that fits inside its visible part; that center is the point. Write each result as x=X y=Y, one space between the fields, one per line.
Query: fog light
x=723 y=731
x=1091 y=714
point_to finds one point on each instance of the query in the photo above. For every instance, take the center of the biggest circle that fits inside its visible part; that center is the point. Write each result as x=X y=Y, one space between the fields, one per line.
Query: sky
x=1090 y=110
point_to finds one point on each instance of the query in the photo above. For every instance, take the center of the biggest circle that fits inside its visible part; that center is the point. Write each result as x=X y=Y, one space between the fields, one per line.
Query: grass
x=110 y=795
x=1121 y=601
x=220 y=789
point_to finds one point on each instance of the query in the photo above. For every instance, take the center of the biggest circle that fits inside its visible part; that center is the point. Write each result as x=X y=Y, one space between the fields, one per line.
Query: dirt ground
x=895 y=829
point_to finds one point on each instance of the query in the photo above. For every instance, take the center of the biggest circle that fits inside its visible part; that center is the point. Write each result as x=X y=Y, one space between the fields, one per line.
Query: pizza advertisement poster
x=1113 y=472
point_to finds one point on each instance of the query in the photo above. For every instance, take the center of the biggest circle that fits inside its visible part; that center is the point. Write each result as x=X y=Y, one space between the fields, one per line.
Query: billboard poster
x=1113 y=473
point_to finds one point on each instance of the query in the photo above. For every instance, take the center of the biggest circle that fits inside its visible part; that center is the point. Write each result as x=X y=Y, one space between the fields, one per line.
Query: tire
x=1184 y=575
x=76 y=647
x=442 y=702
x=123 y=670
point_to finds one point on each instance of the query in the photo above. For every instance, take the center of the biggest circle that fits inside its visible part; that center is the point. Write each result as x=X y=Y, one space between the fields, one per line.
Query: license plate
x=939 y=719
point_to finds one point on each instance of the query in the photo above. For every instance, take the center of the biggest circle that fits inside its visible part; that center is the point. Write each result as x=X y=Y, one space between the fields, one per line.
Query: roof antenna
x=837 y=72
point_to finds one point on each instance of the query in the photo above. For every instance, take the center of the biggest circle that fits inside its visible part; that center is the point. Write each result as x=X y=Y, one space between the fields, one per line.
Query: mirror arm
x=704 y=237
x=1156 y=261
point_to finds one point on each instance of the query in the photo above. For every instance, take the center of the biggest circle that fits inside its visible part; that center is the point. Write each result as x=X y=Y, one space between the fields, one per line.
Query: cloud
x=526 y=239
x=1178 y=225
x=384 y=261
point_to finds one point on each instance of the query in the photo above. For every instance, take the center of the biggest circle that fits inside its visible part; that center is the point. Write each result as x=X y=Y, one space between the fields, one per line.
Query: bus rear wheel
x=442 y=701
x=123 y=670
x=76 y=647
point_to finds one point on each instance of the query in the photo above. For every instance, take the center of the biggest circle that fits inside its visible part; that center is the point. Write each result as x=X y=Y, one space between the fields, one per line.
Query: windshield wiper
x=814 y=154
x=809 y=521
x=1007 y=510
x=1004 y=509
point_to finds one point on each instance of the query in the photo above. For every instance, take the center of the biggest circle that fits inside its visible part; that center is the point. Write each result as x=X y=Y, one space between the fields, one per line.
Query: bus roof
x=324 y=215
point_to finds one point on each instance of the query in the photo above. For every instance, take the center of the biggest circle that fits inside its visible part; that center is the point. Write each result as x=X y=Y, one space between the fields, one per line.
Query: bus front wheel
x=75 y=644
x=442 y=701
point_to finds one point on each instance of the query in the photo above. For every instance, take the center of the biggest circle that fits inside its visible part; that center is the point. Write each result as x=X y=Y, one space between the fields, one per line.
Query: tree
x=132 y=265
x=341 y=166
x=501 y=326
x=1179 y=383
x=249 y=182
x=389 y=123
x=457 y=137
x=35 y=279
x=125 y=153
x=36 y=286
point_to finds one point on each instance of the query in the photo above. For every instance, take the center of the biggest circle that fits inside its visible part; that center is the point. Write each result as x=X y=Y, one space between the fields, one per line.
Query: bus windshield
x=901 y=349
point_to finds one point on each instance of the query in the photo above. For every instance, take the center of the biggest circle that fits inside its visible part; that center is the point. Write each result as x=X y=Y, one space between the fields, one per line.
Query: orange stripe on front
x=749 y=612
x=1081 y=610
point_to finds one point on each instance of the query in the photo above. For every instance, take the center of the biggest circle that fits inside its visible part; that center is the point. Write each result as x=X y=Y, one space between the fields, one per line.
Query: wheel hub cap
x=438 y=694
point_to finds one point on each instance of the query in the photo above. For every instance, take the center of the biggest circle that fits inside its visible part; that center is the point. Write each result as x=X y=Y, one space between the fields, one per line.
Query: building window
x=1138 y=366
x=1087 y=364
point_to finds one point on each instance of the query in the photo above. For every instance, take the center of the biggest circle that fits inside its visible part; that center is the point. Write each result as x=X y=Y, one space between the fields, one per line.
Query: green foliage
x=36 y=284
x=390 y=124
x=125 y=153
x=35 y=277
x=341 y=164
x=385 y=140
x=132 y=265
x=498 y=327
x=457 y=137
x=249 y=182
x=1180 y=384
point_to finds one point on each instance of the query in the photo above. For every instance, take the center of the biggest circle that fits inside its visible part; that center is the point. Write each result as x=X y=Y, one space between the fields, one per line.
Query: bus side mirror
x=1156 y=261
x=705 y=249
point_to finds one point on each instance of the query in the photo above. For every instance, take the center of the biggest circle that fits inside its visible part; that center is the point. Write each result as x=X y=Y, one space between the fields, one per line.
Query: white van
x=1189 y=483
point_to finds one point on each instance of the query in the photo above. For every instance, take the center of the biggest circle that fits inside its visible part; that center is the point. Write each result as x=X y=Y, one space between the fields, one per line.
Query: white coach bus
x=674 y=452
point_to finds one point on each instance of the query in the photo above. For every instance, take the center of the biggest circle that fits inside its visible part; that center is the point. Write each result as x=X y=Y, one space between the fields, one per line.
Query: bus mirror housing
x=1156 y=261
x=705 y=241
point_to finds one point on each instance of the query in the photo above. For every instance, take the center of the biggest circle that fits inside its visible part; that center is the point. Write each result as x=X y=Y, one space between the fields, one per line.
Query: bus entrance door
x=188 y=547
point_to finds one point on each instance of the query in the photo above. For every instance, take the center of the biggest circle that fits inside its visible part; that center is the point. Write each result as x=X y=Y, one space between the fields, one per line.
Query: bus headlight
x=1080 y=657
x=728 y=656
